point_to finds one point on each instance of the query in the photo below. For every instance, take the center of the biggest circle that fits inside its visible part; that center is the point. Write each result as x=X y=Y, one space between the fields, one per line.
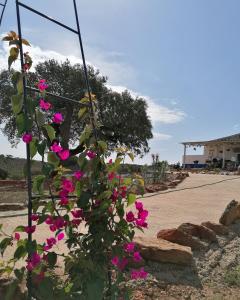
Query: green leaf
x=103 y=146
x=86 y=134
x=40 y=117
x=38 y=184
x=78 y=188
x=20 y=252
x=52 y=259
x=25 y=42
x=82 y=111
x=53 y=159
x=19 y=229
x=14 y=51
x=84 y=199
x=11 y=291
x=20 y=84
x=20 y=121
x=105 y=195
x=95 y=288
x=4 y=244
x=41 y=148
x=131 y=198
x=17 y=103
x=131 y=155
x=33 y=147
x=50 y=131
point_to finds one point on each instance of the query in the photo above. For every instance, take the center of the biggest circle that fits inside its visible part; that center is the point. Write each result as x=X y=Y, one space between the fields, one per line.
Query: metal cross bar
x=25 y=88
x=47 y=17
x=59 y=97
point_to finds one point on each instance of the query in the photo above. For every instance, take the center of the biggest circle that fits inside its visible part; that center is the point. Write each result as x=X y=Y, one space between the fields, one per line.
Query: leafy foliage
x=95 y=196
x=124 y=118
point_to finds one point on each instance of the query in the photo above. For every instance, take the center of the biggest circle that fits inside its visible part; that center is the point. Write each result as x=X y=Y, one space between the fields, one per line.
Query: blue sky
x=184 y=56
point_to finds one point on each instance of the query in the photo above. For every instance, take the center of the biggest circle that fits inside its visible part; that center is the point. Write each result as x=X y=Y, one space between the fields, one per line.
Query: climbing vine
x=86 y=214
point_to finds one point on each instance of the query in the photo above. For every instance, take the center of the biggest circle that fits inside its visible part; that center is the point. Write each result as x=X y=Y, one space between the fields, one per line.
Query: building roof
x=235 y=138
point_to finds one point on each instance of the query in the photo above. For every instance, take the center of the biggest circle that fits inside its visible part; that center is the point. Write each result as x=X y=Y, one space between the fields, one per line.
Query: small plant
x=232 y=277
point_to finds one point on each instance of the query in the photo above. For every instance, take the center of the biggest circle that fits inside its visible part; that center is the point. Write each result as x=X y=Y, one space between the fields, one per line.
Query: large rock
x=217 y=228
x=177 y=236
x=163 y=251
x=231 y=213
x=199 y=231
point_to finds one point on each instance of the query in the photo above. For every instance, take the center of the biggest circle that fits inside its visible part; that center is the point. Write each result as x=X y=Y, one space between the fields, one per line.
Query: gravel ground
x=205 y=279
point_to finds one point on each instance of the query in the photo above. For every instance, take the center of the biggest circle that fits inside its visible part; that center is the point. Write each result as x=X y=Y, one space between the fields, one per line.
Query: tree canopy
x=124 y=118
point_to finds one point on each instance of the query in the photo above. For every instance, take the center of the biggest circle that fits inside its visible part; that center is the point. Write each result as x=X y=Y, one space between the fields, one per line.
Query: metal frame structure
x=3 y=6
x=77 y=31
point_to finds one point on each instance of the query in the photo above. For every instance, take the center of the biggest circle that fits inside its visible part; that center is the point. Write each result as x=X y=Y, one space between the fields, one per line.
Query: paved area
x=196 y=205
x=201 y=199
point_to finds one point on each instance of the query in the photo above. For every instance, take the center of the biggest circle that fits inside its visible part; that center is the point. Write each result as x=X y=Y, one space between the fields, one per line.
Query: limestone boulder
x=160 y=250
x=231 y=213
x=175 y=235
x=219 y=229
x=199 y=231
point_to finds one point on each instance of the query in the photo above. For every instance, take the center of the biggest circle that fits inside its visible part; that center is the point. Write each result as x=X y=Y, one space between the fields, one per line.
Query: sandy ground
x=196 y=205
x=170 y=208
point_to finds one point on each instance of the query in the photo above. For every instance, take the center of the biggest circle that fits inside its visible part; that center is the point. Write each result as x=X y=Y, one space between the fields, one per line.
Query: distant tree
x=124 y=118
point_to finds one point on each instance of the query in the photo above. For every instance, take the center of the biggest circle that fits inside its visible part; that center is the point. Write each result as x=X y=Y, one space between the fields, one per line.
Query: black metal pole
x=85 y=69
x=29 y=176
x=4 y=6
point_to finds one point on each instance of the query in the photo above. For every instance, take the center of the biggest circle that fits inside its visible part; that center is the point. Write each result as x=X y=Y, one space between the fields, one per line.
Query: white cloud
x=161 y=136
x=157 y=112
x=118 y=72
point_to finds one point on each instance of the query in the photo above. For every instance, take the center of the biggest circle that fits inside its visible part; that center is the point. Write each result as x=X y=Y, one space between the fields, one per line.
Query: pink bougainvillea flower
x=53 y=227
x=110 y=161
x=33 y=261
x=60 y=236
x=57 y=118
x=34 y=217
x=30 y=229
x=44 y=105
x=130 y=216
x=78 y=213
x=51 y=241
x=42 y=86
x=76 y=222
x=78 y=174
x=64 y=201
x=114 y=195
x=143 y=214
x=139 y=205
x=141 y=223
x=64 y=154
x=129 y=247
x=111 y=176
x=67 y=185
x=56 y=147
x=46 y=248
x=137 y=257
x=49 y=220
x=59 y=222
x=123 y=192
x=27 y=138
x=115 y=260
x=122 y=264
x=91 y=154
x=17 y=236
x=63 y=194
x=134 y=275
x=142 y=274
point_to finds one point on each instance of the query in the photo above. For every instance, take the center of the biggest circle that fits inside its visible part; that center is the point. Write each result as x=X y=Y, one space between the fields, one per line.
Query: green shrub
x=232 y=277
x=3 y=174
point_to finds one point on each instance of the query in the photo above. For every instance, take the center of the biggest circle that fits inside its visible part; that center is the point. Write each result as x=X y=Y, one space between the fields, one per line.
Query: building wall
x=210 y=152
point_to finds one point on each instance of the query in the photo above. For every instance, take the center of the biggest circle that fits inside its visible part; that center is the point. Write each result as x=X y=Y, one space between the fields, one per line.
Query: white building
x=224 y=150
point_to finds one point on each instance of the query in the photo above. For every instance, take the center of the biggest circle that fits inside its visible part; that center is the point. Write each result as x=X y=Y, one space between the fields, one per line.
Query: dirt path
x=206 y=203
x=171 y=209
